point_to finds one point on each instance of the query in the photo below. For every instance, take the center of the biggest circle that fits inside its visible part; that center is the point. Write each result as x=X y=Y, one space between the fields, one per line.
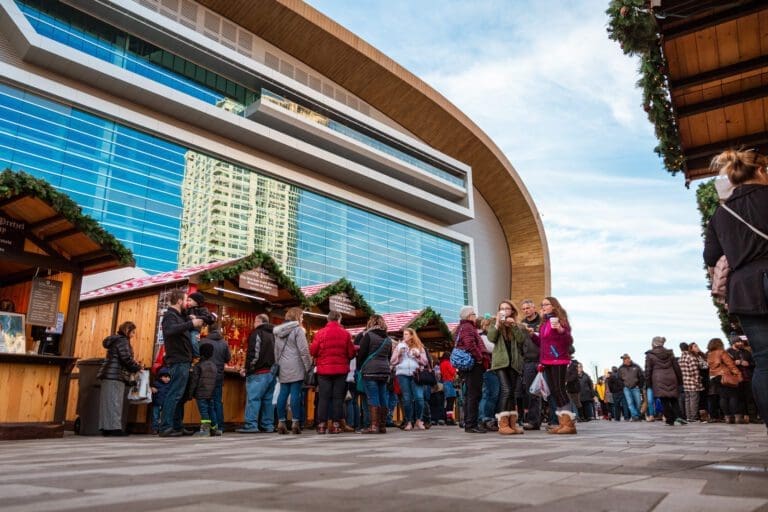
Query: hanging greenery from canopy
x=633 y=25
x=19 y=183
x=342 y=286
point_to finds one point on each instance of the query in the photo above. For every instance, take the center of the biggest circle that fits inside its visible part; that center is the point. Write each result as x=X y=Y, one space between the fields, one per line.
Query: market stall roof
x=285 y=292
x=322 y=295
x=429 y=324
x=52 y=232
x=717 y=71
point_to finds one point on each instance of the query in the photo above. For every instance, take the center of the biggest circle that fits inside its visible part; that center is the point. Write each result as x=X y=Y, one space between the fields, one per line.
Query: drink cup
x=554 y=322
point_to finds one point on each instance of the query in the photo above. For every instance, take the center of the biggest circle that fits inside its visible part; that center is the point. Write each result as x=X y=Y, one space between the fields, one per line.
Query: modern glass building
x=193 y=138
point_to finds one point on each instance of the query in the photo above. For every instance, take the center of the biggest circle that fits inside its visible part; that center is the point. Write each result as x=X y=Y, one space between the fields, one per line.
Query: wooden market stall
x=46 y=246
x=428 y=324
x=236 y=290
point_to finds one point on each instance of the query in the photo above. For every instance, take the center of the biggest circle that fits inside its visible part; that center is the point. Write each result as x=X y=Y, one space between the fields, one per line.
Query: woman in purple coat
x=467 y=338
x=554 y=341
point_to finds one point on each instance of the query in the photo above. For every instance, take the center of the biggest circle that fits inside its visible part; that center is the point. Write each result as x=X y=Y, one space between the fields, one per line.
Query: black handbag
x=310 y=377
x=425 y=377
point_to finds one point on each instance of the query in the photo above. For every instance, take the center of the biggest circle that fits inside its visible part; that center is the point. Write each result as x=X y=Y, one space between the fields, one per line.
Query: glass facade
x=167 y=203
x=78 y=30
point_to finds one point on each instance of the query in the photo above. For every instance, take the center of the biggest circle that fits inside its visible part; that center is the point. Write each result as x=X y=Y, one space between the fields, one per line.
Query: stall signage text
x=44 y=302
x=259 y=281
x=11 y=235
x=341 y=303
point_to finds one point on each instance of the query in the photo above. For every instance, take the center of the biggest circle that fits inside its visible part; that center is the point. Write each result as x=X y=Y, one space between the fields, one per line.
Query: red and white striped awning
x=314 y=289
x=395 y=321
x=173 y=276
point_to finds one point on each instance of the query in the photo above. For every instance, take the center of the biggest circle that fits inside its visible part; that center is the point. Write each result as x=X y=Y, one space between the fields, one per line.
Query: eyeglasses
x=506 y=308
x=545 y=304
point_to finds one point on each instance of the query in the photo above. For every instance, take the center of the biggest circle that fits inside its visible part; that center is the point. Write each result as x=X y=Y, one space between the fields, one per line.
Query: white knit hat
x=658 y=341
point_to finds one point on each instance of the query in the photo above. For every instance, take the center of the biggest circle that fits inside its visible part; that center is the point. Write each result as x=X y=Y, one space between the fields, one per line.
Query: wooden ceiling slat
x=728 y=43
x=717 y=100
x=685 y=131
x=710 y=19
x=707 y=50
x=699 y=129
x=748 y=37
x=762 y=19
x=716 y=125
x=734 y=120
x=754 y=118
x=688 y=59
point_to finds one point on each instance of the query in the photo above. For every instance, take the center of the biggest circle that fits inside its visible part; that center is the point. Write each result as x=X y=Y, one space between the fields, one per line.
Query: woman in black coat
x=114 y=375
x=663 y=376
x=747 y=254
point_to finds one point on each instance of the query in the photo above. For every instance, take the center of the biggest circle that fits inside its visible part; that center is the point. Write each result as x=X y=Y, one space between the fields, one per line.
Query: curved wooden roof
x=343 y=57
x=717 y=55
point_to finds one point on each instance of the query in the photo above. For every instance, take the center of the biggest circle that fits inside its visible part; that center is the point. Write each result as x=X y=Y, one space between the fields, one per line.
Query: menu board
x=44 y=302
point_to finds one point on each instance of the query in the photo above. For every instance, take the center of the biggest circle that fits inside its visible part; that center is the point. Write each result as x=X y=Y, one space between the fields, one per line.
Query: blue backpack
x=461 y=359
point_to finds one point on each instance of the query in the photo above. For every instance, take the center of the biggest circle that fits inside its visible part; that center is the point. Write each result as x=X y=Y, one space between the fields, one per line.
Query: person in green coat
x=507 y=361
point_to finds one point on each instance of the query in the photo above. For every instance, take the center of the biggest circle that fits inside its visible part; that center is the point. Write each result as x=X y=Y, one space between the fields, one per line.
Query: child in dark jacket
x=196 y=307
x=204 y=375
x=159 y=391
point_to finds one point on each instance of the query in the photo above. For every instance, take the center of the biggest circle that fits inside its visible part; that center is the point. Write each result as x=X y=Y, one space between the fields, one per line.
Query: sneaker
x=475 y=430
x=170 y=433
x=215 y=432
x=680 y=421
x=247 y=430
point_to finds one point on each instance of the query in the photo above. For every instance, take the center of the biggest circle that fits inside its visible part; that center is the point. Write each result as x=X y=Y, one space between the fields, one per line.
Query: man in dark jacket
x=632 y=376
x=259 y=380
x=221 y=356
x=616 y=387
x=532 y=403
x=586 y=395
x=178 y=357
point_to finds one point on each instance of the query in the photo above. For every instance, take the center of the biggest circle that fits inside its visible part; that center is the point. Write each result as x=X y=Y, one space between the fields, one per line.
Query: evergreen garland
x=19 y=183
x=708 y=201
x=633 y=25
x=427 y=316
x=254 y=260
x=342 y=286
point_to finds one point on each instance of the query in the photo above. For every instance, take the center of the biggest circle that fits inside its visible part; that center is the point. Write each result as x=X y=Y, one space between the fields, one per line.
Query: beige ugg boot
x=502 y=419
x=567 y=423
x=516 y=429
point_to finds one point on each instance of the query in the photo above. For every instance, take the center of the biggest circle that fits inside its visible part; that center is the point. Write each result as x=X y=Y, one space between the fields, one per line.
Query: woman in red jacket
x=332 y=349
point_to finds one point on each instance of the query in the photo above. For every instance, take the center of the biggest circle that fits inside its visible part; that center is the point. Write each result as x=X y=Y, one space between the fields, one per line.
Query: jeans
x=259 y=388
x=376 y=391
x=489 y=398
x=474 y=382
x=634 y=400
x=331 y=390
x=156 y=409
x=588 y=410
x=651 y=402
x=756 y=329
x=413 y=398
x=217 y=418
x=391 y=405
x=353 y=406
x=206 y=408
x=534 y=401
x=172 y=416
x=294 y=390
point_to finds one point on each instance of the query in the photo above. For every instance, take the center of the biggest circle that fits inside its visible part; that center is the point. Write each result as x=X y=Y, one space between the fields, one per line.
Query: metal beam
x=723 y=101
x=720 y=73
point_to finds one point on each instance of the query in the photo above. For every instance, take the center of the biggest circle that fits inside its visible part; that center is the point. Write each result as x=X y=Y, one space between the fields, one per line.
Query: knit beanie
x=198 y=297
x=658 y=341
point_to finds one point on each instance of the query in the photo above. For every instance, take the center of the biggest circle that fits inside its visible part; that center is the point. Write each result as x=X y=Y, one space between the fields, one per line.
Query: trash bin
x=89 y=393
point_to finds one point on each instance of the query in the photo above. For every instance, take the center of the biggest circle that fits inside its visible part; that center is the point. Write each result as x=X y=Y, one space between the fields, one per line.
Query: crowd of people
x=361 y=382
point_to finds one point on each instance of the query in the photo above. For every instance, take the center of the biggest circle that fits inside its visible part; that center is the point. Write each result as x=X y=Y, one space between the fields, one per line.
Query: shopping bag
x=539 y=386
x=141 y=393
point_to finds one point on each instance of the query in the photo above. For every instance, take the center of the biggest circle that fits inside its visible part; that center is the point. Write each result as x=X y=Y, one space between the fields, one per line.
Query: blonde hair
x=739 y=165
x=294 y=314
x=414 y=341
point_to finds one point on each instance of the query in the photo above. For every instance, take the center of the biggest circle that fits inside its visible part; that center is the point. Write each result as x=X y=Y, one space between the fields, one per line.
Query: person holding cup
x=507 y=361
x=554 y=341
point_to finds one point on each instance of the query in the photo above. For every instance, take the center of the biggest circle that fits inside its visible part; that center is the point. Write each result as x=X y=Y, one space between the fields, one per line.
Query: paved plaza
x=608 y=466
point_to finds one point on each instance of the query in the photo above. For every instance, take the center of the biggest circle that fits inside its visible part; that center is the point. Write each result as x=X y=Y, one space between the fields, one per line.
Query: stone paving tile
x=608 y=466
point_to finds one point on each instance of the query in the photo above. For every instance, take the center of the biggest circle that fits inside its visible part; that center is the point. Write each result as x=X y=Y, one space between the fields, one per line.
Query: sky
x=543 y=80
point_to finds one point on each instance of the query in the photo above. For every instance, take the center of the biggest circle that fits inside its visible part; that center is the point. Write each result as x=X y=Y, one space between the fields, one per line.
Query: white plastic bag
x=141 y=392
x=539 y=386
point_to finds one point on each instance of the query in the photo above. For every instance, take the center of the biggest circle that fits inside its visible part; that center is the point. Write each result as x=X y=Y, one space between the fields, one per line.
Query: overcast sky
x=559 y=98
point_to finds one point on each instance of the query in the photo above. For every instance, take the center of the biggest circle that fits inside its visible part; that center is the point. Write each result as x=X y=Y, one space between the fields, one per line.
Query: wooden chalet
x=46 y=246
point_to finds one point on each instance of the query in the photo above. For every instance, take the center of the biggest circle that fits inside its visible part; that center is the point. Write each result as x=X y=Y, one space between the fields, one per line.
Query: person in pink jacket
x=332 y=349
x=554 y=341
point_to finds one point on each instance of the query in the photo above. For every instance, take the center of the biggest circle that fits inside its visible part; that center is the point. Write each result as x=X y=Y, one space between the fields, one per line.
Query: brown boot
x=295 y=427
x=383 y=420
x=335 y=428
x=513 y=426
x=321 y=428
x=703 y=416
x=503 y=420
x=739 y=419
x=730 y=420
x=281 y=428
x=345 y=427
x=374 y=428
x=567 y=423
